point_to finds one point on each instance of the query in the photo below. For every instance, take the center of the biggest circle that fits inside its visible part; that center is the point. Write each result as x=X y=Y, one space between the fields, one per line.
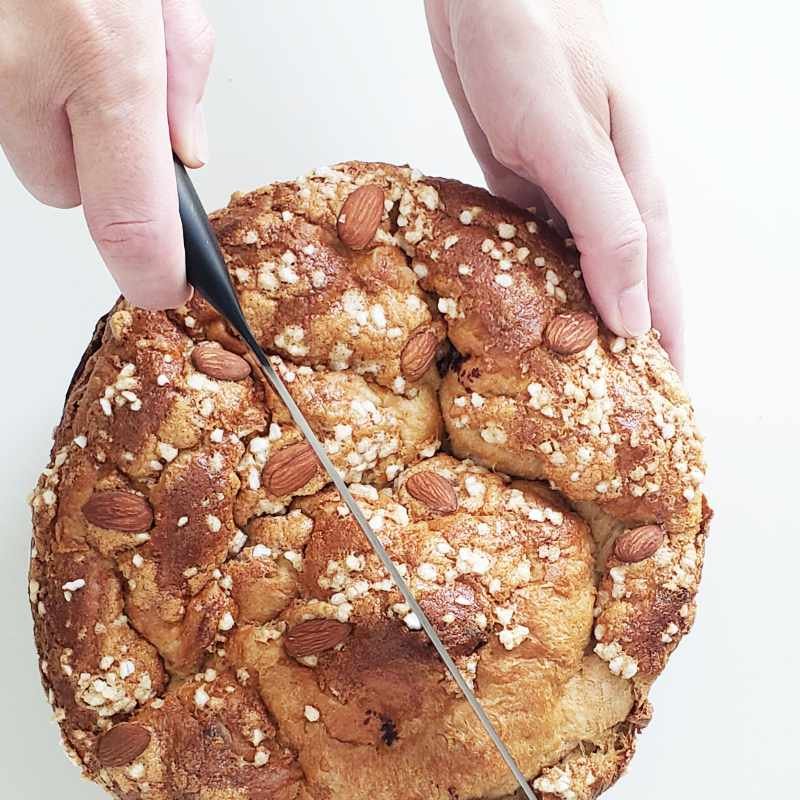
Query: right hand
x=95 y=94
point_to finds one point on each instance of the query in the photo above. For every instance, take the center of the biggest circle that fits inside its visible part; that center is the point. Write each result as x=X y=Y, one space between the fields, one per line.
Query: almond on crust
x=500 y=440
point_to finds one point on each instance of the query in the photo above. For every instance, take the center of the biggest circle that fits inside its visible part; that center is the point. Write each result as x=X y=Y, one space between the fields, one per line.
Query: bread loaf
x=211 y=623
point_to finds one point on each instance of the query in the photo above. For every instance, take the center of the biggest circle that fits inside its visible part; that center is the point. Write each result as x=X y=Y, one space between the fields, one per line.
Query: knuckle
x=479 y=20
x=504 y=151
x=109 y=67
x=655 y=217
x=540 y=22
x=126 y=239
x=111 y=94
x=140 y=77
x=629 y=244
x=521 y=143
x=205 y=42
x=511 y=146
x=196 y=43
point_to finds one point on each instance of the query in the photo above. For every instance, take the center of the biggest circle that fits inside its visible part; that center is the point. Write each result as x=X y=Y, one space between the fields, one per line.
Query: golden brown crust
x=183 y=541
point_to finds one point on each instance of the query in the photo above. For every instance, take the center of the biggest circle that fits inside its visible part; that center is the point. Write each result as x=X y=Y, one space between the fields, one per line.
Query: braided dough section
x=212 y=624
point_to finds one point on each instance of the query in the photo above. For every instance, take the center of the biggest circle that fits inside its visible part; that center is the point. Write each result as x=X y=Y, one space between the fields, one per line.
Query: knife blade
x=207 y=273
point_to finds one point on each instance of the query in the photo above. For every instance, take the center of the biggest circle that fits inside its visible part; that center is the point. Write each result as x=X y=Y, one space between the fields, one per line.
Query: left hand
x=548 y=114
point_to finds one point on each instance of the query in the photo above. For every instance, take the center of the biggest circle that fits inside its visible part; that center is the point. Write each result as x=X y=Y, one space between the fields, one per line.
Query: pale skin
x=96 y=94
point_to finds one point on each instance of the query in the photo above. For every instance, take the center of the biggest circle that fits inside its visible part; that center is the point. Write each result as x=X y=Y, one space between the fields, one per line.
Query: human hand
x=547 y=112
x=95 y=94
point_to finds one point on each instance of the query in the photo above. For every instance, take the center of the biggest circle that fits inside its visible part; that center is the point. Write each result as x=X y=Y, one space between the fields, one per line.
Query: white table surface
x=298 y=85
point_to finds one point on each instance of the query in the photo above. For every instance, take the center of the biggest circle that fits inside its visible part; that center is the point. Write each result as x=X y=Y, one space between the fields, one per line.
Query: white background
x=298 y=85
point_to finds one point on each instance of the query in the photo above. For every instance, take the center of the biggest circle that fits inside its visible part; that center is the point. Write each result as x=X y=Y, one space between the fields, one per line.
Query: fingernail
x=634 y=309
x=200 y=135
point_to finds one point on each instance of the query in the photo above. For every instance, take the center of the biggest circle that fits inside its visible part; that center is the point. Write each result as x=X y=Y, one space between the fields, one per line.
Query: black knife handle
x=205 y=265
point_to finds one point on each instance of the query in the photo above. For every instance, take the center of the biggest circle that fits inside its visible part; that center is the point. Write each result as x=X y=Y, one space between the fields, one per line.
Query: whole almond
x=638 y=544
x=217 y=362
x=315 y=636
x=435 y=491
x=570 y=333
x=418 y=354
x=118 y=510
x=360 y=216
x=458 y=604
x=290 y=469
x=122 y=745
x=218 y=332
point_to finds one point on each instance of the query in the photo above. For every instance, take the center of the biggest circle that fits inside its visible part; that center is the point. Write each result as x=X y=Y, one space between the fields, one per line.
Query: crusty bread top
x=212 y=624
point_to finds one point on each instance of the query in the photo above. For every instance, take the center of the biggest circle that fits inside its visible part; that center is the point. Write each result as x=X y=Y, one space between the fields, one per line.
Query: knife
x=207 y=273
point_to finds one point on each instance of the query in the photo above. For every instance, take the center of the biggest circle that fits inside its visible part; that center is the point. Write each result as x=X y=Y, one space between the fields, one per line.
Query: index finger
x=124 y=164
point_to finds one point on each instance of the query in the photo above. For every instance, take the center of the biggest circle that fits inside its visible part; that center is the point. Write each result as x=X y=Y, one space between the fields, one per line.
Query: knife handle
x=205 y=266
